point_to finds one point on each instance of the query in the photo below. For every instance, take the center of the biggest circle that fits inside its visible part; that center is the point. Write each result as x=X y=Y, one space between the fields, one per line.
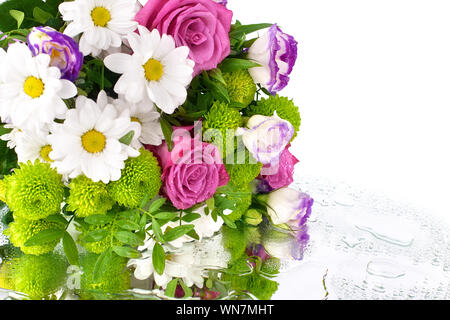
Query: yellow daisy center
x=45 y=150
x=134 y=119
x=100 y=16
x=93 y=141
x=153 y=70
x=33 y=87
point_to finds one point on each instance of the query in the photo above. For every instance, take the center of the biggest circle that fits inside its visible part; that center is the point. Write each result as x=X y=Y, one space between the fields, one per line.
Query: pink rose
x=279 y=174
x=192 y=171
x=201 y=25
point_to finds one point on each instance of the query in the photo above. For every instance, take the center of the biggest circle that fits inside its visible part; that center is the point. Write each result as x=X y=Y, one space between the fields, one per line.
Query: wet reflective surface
x=363 y=246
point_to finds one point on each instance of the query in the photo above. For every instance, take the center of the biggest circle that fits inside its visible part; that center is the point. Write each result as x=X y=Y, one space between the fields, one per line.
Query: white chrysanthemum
x=149 y=130
x=157 y=70
x=88 y=142
x=32 y=91
x=32 y=145
x=102 y=23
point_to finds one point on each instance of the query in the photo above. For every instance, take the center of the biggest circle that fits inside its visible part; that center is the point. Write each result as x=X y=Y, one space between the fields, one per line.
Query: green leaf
x=128 y=237
x=126 y=139
x=57 y=218
x=159 y=259
x=18 y=16
x=99 y=219
x=228 y=221
x=102 y=261
x=144 y=200
x=166 y=215
x=45 y=236
x=41 y=16
x=127 y=252
x=193 y=235
x=235 y=64
x=171 y=288
x=241 y=30
x=96 y=235
x=156 y=205
x=128 y=225
x=129 y=214
x=216 y=74
x=190 y=217
x=186 y=289
x=177 y=232
x=157 y=230
x=70 y=249
x=210 y=203
x=167 y=131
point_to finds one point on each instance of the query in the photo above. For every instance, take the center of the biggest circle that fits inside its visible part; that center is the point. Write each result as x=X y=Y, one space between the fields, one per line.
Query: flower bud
x=253 y=217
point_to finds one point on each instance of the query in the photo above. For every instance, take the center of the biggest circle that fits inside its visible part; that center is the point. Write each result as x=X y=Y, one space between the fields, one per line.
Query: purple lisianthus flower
x=63 y=50
x=266 y=137
x=276 y=52
x=289 y=206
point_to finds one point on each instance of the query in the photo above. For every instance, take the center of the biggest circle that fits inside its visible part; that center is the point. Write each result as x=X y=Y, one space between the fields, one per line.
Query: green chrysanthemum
x=115 y=277
x=39 y=276
x=234 y=241
x=242 y=196
x=6 y=274
x=88 y=197
x=225 y=120
x=241 y=86
x=254 y=283
x=2 y=190
x=105 y=243
x=242 y=174
x=20 y=230
x=285 y=108
x=34 y=191
x=141 y=176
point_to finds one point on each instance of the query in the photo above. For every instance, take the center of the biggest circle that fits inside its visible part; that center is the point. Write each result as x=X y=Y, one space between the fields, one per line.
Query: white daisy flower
x=101 y=22
x=32 y=145
x=11 y=137
x=148 y=131
x=32 y=91
x=88 y=142
x=157 y=70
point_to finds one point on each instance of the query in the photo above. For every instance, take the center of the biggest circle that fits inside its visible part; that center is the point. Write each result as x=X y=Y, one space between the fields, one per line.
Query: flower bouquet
x=145 y=151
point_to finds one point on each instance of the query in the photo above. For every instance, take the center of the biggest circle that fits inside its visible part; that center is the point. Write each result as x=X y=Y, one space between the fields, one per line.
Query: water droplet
x=385 y=268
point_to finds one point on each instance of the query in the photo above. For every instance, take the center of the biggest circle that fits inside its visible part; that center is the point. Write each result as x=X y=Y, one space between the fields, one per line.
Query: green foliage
x=25 y=15
x=285 y=108
x=34 y=191
x=94 y=77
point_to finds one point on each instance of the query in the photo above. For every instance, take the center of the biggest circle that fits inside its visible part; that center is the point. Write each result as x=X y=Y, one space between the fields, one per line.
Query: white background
x=373 y=86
